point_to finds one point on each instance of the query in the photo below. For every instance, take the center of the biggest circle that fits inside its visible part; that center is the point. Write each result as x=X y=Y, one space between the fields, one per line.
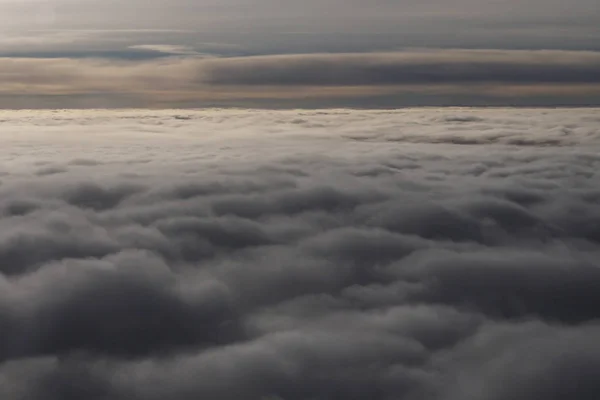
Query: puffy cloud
x=530 y=361
x=423 y=254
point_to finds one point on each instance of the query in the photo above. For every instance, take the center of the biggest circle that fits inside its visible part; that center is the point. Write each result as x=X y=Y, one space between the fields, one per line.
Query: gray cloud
x=442 y=67
x=423 y=254
x=416 y=77
x=531 y=361
x=268 y=26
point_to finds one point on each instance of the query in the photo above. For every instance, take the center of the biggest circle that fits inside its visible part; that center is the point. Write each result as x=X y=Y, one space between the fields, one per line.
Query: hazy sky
x=158 y=51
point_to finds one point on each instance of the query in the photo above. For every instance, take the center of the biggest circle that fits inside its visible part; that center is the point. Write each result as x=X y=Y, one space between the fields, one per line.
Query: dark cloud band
x=449 y=77
x=442 y=67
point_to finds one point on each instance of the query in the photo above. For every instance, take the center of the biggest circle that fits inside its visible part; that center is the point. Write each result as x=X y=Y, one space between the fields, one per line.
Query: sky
x=285 y=54
x=415 y=254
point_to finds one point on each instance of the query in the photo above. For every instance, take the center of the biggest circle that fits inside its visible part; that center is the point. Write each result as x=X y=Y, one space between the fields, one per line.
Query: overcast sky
x=144 y=35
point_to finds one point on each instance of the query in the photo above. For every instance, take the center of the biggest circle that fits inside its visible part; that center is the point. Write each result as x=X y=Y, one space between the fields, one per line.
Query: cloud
x=531 y=361
x=169 y=49
x=423 y=254
x=425 y=75
x=264 y=27
x=427 y=67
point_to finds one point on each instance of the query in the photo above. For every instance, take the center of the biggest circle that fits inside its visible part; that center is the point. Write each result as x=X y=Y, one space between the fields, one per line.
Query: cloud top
x=424 y=254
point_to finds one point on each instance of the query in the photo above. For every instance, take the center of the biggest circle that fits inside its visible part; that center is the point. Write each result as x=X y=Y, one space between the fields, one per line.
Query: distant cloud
x=402 y=68
x=267 y=26
x=169 y=49
x=194 y=77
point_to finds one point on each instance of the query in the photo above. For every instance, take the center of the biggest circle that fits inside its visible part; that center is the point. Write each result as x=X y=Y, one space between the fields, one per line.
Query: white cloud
x=421 y=253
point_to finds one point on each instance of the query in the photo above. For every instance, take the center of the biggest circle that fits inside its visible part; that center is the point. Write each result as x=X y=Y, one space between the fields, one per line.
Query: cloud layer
x=412 y=77
x=419 y=254
x=427 y=67
x=272 y=27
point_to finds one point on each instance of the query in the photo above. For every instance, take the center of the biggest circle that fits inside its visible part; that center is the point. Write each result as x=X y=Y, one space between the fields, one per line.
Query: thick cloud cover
x=420 y=254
